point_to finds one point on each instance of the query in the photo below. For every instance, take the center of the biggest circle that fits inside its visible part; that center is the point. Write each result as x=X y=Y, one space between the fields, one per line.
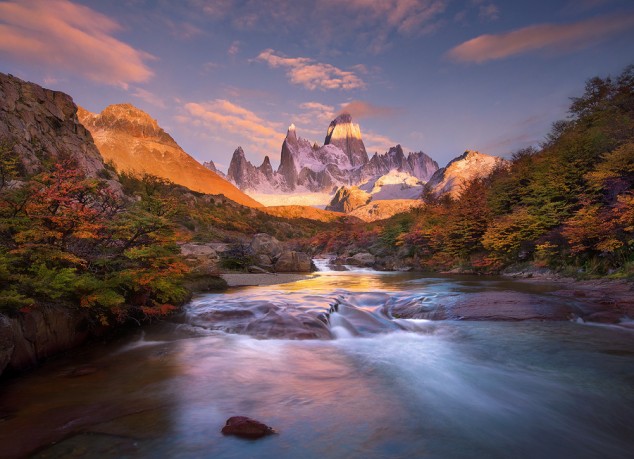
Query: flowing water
x=326 y=362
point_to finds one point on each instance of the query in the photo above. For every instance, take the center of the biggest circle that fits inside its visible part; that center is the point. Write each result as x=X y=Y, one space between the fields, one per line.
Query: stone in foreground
x=242 y=426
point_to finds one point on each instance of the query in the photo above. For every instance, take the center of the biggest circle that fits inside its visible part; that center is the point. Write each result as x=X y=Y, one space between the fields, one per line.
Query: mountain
x=212 y=167
x=133 y=141
x=416 y=164
x=309 y=168
x=462 y=169
x=38 y=124
x=346 y=135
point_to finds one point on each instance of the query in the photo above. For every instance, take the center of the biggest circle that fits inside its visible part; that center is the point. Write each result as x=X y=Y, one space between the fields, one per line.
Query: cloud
x=489 y=12
x=553 y=37
x=406 y=16
x=221 y=116
x=368 y=23
x=360 y=109
x=377 y=143
x=312 y=120
x=183 y=30
x=148 y=97
x=234 y=48
x=311 y=74
x=62 y=36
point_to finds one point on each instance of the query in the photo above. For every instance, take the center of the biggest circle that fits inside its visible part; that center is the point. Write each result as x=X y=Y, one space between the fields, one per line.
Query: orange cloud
x=360 y=109
x=224 y=117
x=62 y=36
x=310 y=74
x=559 y=37
x=376 y=143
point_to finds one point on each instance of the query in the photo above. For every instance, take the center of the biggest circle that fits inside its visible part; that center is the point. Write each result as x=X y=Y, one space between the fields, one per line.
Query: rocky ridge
x=133 y=141
x=37 y=123
x=212 y=167
x=341 y=161
x=459 y=171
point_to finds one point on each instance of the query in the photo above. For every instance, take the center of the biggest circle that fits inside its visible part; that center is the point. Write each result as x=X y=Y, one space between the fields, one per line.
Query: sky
x=439 y=76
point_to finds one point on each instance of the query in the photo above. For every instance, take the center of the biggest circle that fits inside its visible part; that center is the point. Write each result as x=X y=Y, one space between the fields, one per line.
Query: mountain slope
x=452 y=178
x=135 y=142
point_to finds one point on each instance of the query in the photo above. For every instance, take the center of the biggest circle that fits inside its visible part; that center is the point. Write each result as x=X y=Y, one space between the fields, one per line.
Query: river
x=328 y=364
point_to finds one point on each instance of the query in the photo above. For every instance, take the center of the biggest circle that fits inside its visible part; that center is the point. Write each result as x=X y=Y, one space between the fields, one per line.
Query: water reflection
x=396 y=388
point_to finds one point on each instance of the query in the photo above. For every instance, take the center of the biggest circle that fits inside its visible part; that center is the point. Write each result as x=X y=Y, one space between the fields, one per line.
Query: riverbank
x=244 y=279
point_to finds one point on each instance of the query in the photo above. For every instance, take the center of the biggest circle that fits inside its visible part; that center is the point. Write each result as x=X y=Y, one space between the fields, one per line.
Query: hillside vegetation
x=70 y=240
x=567 y=206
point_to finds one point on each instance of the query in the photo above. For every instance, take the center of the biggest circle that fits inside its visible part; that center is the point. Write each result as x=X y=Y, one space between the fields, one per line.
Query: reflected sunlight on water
x=385 y=388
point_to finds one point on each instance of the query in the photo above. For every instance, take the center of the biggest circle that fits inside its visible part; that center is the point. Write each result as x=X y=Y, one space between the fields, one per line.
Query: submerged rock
x=242 y=426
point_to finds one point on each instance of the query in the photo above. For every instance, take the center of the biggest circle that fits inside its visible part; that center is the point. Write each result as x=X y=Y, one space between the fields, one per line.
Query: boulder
x=293 y=262
x=264 y=244
x=245 y=427
x=198 y=250
x=361 y=259
x=263 y=261
x=202 y=259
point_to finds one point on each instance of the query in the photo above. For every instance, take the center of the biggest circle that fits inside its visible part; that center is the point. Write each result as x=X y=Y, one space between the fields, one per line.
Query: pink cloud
x=62 y=36
x=148 y=97
x=234 y=48
x=376 y=143
x=557 y=37
x=311 y=74
x=221 y=116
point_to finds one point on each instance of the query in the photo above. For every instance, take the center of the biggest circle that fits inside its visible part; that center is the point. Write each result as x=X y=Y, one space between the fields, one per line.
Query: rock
x=202 y=260
x=277 y=324
x=264 y=244
x=242 y=426
x=293 y=262
x=41 y=125
x=198 y=250
x=7 y=343
x=30 y=337
x=361 y=259
x=264 y=261
x=347 y=199
x=257 y=270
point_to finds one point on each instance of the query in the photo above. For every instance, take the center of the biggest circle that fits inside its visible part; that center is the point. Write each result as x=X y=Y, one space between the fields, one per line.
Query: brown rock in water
x=293 y=262
x=242 y=426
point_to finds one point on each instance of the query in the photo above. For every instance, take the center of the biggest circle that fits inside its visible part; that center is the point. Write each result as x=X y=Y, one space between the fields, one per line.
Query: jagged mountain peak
x=346 y=135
